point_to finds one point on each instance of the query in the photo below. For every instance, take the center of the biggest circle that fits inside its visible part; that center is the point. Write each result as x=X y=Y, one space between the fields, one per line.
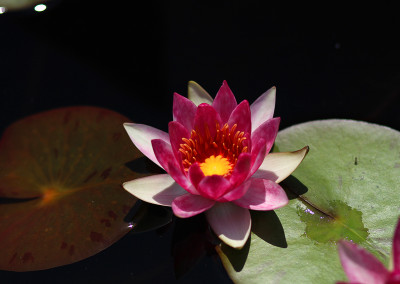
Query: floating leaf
x=20 y=4
x=349 y=188
x=60 y=186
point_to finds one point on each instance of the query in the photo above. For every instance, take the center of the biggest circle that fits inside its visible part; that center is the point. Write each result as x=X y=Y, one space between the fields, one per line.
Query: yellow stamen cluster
x=216 y=166
x=222 y=149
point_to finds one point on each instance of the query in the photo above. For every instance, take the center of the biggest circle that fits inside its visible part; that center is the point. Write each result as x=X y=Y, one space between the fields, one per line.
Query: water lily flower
x=216 y=158
x=362 y=267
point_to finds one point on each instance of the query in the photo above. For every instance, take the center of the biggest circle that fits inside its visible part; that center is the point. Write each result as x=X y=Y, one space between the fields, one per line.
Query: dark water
x=327 y=62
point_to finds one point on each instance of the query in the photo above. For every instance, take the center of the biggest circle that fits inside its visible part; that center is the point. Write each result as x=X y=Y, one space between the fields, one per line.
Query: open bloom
x=362 y=267
x=216 y=158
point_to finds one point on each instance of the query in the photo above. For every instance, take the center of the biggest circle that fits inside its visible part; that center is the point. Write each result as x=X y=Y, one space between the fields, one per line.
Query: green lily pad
x=346 y=188
x=61 y=198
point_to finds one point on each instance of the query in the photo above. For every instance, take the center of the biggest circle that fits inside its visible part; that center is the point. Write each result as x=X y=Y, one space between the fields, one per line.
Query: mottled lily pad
x=61 y=198
x=346 y=188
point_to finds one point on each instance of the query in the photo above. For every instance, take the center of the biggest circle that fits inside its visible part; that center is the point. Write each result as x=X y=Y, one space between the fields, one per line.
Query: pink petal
x=396 y=248
x=224 y=102
x=189 y=205
x=361 y=266
x=263 y=108
x=394 y=277
x=176 y=132
x=236 y=193
x=213 y=187
x=177 y=174
x=163 y=152
x=195 y=174
x=141 y=135
x=242 y=117
x=278 y=166
x=157 y=189
x=263 y=195
x=230 y=223
x=206 y=120
x=267 y=131
x=258 y=153
x=166 y=158
x=198 y=95
x=241 y=170
x=184 y=111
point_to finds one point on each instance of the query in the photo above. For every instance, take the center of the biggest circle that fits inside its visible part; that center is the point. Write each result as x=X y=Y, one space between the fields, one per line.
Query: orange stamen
x=216 y=154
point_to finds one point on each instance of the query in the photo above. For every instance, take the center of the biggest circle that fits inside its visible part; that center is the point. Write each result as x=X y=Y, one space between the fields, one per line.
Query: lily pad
x=346 y=188
x=20 y=4
x=61 y=198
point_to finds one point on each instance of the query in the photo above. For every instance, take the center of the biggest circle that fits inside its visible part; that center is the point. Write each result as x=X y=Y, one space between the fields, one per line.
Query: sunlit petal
x=225 y=102
x=157 y=189
x=198 y=95
x=206 y=120
x=258 y=153
x=278 y=166
x=267 y=131
x=263 y=108
x=236 y=193
x=184 y=111
x=141 y=135
x=189 y=205
x=176 y=132
x=241 y=117
x=213 y=187
x=230 y=223
x=165 y=156
x=241 y=170
x=263 y=195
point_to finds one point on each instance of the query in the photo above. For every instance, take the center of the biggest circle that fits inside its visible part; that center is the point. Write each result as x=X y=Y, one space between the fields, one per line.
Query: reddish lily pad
x=61 y=198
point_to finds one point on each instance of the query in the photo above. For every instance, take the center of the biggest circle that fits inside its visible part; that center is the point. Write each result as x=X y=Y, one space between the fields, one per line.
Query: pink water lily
x=362 y=267
x=216 y=158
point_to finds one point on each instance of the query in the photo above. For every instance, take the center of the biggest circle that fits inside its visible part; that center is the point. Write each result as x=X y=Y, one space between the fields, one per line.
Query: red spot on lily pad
x=28 y=257
x=64 y=169
x=106 y=173
x=106 y=222
x=96 y=237
x=112 y=215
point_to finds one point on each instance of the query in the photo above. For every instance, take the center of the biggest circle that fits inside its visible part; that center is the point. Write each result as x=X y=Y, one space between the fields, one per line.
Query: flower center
x=217 y=155
x=216 y=166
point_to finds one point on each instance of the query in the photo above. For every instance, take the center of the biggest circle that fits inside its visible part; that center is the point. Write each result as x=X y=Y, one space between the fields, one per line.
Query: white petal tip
x=236 y=244
x=157 y=189
x=197 y=94
x=278 y=166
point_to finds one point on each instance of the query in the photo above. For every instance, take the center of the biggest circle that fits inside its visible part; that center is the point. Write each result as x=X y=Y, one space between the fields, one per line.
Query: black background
x=327 y=61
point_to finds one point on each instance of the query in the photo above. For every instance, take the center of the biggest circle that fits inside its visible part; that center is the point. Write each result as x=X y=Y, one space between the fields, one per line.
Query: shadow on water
x=144 y=165
x=192 y=240
x=6 y=200
x=146 y=217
